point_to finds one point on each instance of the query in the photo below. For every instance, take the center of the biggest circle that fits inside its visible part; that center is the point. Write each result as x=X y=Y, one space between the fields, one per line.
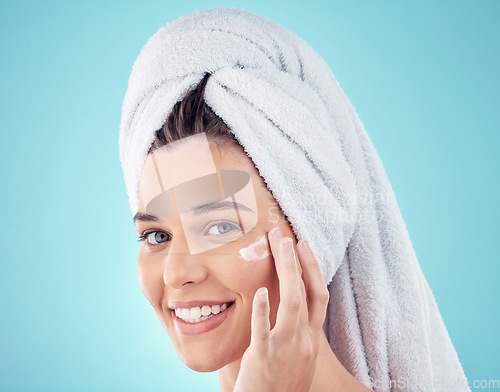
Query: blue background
x=423 y=77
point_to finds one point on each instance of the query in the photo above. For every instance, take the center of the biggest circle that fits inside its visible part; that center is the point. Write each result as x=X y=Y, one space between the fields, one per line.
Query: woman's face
x=192 y=261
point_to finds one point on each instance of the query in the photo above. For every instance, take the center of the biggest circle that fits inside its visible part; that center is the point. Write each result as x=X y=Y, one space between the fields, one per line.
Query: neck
x=329 y=374
x=228 y=375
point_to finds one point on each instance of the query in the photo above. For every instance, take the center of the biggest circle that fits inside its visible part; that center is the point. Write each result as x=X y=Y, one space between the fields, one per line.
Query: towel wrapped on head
x=284 y=106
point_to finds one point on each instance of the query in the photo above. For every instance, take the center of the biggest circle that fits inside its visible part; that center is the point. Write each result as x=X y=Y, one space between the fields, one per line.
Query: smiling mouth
x=199 y=314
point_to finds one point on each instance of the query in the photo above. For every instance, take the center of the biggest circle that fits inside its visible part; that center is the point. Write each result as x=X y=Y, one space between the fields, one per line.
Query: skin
x=280 y=345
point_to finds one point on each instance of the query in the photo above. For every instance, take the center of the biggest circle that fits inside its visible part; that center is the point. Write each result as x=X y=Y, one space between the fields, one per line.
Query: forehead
x=193 y=157
x=199 y=172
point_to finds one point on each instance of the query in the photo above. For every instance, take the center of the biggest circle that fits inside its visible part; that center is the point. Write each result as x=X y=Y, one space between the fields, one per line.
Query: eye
x=154 y=238
x=221 y=228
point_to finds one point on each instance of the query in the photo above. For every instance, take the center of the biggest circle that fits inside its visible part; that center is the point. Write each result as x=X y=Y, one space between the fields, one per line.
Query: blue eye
x=153 y=240
x=221 y=228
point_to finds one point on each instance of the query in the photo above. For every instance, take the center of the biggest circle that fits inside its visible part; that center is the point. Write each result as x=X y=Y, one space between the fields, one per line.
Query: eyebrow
x=202 y=209
x=140 y=217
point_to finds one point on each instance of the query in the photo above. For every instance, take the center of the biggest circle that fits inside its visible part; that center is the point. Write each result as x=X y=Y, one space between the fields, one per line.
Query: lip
x=192 y=304
x=213 y=322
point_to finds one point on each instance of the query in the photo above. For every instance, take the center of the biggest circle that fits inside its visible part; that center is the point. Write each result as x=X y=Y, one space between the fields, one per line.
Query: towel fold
x=285 y=107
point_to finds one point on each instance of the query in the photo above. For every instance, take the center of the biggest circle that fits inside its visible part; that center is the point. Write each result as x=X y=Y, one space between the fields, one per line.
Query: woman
x=232 y=126
x=181 y=287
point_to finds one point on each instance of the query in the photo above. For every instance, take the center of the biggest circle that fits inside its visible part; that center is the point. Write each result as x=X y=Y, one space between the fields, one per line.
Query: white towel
x=285 y=107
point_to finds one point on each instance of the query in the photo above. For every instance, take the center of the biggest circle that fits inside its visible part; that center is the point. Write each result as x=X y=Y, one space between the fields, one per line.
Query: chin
x=203 y=366
x=209 y=363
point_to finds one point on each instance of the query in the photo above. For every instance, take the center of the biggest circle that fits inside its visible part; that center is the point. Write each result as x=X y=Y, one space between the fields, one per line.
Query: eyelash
x=144 y=236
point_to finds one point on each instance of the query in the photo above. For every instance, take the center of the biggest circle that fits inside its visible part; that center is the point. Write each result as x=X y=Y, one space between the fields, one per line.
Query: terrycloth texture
x=286 y=109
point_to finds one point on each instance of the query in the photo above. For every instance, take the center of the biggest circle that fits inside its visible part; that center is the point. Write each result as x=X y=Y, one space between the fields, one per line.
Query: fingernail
x=288 y=243
x=276 y=233
x=262 y=294
x=304 y=245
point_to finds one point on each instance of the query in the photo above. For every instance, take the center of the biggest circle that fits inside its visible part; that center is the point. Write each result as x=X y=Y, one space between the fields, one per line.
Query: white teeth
x=206 y=310
x=197 y=314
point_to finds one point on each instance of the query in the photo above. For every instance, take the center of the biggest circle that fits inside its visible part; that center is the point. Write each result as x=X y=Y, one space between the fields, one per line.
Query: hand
x=284 y=358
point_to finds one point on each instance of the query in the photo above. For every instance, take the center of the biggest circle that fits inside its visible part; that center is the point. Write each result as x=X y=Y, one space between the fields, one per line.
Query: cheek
x=151 y=282
x=256 y=267
x=255 y=274
x=259 y=250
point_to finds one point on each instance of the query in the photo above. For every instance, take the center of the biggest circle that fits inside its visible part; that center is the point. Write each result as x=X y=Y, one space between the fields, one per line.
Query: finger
x=289 y=281
x=303 y=323
x=316 y=290
x=260 y=319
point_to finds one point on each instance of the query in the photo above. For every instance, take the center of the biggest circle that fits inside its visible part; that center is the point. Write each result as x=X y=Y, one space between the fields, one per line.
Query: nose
x=181 y=269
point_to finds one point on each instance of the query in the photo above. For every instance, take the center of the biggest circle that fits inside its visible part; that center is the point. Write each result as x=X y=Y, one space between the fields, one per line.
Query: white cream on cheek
x=257 y=251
